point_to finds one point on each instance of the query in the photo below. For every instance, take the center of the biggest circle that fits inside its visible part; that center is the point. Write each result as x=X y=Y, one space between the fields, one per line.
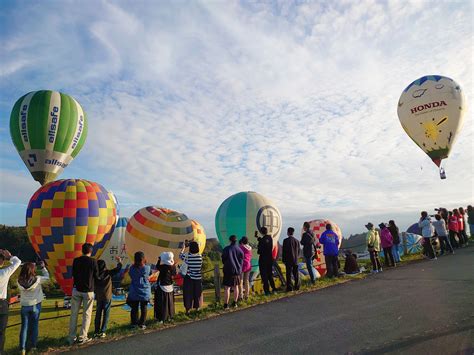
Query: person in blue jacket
x=139 y=292
x=330 y=242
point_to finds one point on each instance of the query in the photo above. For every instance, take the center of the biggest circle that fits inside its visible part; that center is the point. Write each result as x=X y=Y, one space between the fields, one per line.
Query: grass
x=54 y=323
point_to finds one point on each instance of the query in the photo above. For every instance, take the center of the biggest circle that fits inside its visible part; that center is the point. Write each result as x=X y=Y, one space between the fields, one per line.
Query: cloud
x=190 y=104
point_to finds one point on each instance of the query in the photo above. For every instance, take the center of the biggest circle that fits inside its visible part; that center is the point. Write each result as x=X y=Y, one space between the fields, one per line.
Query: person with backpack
x=244 y=289
x=31 y=296
x=103 y=296
x=164 y=292
x=395 y=232
x=386 y=241
x=139 y=292
x=330 y=240
x=192 y=283
x=290 y=256
x=309 y=248
x=232 y=258
x=84 y=273
x=5 y=274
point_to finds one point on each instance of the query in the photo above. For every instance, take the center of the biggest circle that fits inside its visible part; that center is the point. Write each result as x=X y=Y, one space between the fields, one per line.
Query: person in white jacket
x=31 y=296
x=5 y=273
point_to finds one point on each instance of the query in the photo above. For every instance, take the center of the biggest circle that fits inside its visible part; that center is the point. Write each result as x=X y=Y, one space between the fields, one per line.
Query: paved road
x=422 y=308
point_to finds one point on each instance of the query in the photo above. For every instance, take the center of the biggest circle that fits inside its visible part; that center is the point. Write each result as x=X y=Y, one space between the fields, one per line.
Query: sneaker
x=142 y=327
x=435 y=258
x=71 y=341
x=84 y=340
x=226 y=306
x=234 y=305
x=102 y=335
x=96 y=335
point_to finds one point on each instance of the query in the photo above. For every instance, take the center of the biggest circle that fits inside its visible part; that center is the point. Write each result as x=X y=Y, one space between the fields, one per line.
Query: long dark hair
x=28 y=271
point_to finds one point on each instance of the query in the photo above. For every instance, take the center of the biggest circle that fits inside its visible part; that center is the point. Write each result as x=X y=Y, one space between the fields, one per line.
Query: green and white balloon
x=48 y=129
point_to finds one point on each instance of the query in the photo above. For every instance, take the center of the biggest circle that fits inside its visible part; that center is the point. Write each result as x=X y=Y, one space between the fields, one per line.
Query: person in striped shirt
x=192 y=286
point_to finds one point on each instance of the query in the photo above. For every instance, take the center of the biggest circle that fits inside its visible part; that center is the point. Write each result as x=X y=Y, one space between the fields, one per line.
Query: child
x=103 y=296
x=350 y=266
x=164 y=295
x=31 y=296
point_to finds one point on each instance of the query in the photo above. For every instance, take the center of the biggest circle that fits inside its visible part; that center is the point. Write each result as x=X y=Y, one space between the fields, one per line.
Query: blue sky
x=190 y=102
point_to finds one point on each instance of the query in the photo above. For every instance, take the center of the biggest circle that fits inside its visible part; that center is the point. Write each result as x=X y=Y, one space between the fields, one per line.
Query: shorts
x=231 y=280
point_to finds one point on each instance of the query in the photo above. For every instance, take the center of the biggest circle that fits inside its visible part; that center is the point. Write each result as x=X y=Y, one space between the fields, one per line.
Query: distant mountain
x=356 y=242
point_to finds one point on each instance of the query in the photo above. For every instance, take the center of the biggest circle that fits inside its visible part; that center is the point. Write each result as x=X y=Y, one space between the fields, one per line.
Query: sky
x=189 y=102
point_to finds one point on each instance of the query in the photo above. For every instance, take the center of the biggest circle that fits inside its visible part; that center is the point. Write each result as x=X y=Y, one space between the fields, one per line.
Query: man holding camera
x=5 y=273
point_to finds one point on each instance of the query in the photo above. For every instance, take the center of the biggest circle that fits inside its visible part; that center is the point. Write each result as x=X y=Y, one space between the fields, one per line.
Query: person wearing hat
x=164 y=293
x=373 y=246
x=386 y=241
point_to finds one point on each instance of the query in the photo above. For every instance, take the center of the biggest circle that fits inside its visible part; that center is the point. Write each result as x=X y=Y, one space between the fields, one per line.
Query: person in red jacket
x=453 y=227
x=462 y=241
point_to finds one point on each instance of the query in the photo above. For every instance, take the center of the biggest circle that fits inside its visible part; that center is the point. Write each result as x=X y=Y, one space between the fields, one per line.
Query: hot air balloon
x=65 y=214
x=245 y=213
x=318 y=226
x=156 y=229
x=431 y=112
x=48 y=128
x=116 y=246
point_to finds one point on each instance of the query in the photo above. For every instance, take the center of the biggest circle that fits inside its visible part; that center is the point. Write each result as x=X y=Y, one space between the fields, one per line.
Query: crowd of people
x=93 y=281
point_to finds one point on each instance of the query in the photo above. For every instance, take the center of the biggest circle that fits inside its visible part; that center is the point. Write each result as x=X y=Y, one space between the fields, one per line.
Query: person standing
x=265 y=260
x=440 y=227
x=5 y=274
x=140 y=290
x=232 y=258
x=395 y=232
x=330 y=241
x=290 y=255
x=373 y=246
x=192 y=284
x=309 y=248
x=164 y=292
x=427 y=233
x=103 y=296
x=453 y=227
x=84 y=273
x=31 y=296
x=386 y=241
x=244 y=289
x=470 y=220
x=461 y=225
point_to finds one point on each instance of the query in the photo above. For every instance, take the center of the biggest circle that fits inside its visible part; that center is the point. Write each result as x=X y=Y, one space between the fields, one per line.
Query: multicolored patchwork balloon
x=154 y=230
x=431 y=111
x=245 y=213
x=318 y=226
x=65 y=214
x=48 y=128
x=116 y=246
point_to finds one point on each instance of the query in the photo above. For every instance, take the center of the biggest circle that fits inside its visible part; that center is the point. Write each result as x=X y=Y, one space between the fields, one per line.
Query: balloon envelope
x=244 y=213
x=431 y=112
x=318 y=226
x=48 y=128
x=116 y=246
x=62 y=216
x=154 y=230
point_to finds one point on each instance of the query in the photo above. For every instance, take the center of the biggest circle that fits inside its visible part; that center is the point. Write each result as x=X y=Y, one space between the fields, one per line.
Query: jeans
x=374 y=258
x=429 y=252
x=103 y=307
x=29 y=325
x=396 y=253
x=134 y=311
x=3 y=322
x=292 y=270
x=445 y=244
x=86 y=300
x=266 y=273
x=388 y=257
x=471 y=230
x=331 y=265
x=309 y=266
